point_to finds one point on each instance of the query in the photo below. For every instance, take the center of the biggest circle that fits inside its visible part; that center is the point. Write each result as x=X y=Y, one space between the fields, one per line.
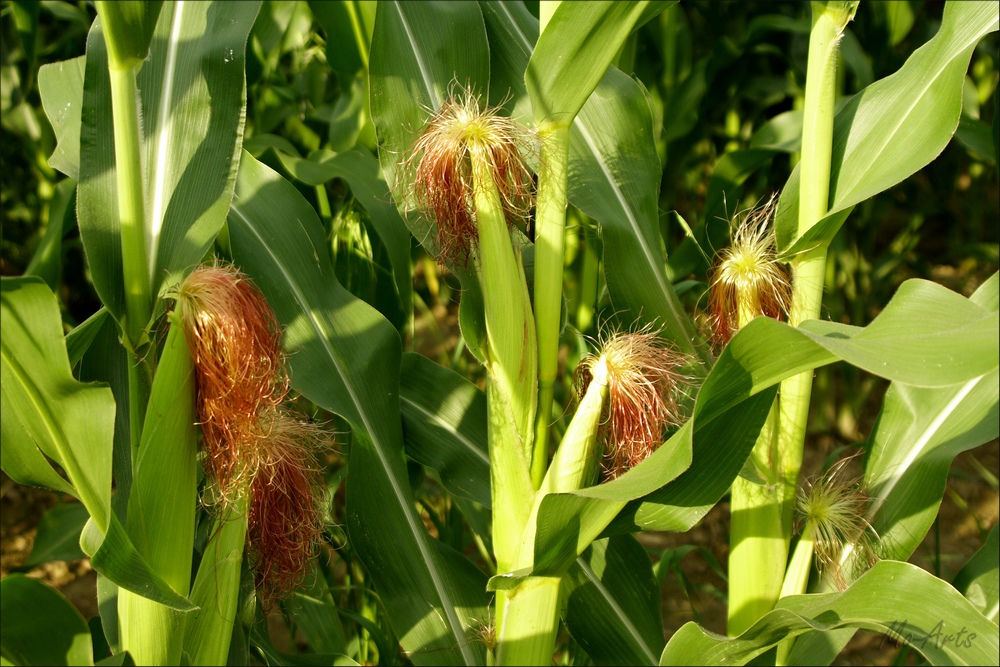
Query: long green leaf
x=193 y=94
x=44 y=406
x=444 y=425
x=979 y=580
x=345 y=357
x=60 y=86
x=578 y=45
x=895 y=126
x=361 y=172
x=613 y=604
x=897 y=599
x=918 y=434
x=39 y=626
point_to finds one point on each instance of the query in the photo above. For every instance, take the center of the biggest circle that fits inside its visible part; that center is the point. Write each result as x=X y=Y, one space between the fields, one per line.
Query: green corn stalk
x=162 y=504
x=762 y=513
x=829 y=21
x=128 y=27
x=512 y=363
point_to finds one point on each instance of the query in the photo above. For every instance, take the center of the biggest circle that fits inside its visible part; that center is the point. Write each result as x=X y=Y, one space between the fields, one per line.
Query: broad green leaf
x=193 y=95
x=919 y=432
x=61 y=88
x=47 y=260
x=79 y=340
x=361 y=172
x=318 y=618
x=613 y=604
x=129 y=26
x=345 y=357
x=444 y=425
x=39 y=626
x=58 y=536
x=895 y=126
x=614 y=178
x=896 y=599
x=43 y=405
x=979 y=580
x=572 y=55
x=348 y=25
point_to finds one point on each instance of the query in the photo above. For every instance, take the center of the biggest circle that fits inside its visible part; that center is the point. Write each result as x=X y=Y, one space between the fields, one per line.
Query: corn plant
x=241 y=276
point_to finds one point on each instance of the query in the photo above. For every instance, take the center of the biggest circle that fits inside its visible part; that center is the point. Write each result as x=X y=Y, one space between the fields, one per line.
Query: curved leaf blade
x=613 y=604
x=43 y=404
x=444 y=425
x=897 y=599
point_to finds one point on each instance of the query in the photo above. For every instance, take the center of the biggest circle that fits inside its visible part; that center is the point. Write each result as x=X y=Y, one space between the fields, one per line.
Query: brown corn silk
x=440 y=168
x=644 y=380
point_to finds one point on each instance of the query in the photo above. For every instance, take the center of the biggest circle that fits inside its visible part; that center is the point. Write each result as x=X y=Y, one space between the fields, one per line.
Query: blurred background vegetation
x=724 y=81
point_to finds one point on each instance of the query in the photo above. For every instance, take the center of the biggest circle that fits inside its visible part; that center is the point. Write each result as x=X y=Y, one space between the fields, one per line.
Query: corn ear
x=161 y=511
x=216 y=588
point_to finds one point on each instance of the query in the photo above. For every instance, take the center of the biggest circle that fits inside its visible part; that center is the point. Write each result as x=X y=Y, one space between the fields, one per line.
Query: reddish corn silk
x=644 y=381
x=250 y=444
x=286 y=514
x=440 y=169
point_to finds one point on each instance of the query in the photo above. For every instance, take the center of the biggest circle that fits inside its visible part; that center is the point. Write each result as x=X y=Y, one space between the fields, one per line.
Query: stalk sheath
x=131 y=207
x=550 y=230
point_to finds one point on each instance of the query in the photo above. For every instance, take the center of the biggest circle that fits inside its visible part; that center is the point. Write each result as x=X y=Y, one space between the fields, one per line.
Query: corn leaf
x=578 y=45
x=979 y=580
x=613 y=604
x=361 y=172
x=39 y=626
x=895 y=126
x=345 y=357
x=192 y=97
x=60 y=86
x=444 y=426
x=43 y=405
x=918 y=434
x=897 y=599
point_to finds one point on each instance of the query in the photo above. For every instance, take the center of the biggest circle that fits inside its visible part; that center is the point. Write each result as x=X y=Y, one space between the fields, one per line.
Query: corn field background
x=278 y=138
